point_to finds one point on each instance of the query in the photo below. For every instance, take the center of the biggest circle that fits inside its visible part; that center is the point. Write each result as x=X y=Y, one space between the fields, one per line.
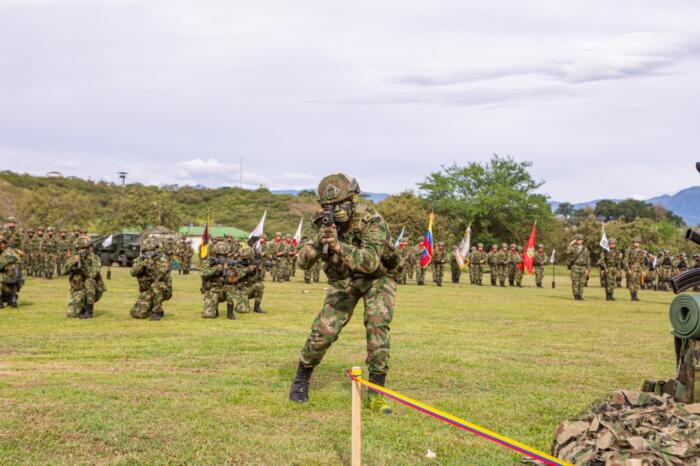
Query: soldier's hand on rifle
x=329 y=236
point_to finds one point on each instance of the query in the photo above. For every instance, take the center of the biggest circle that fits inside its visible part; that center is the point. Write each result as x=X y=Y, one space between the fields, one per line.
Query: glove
x=329 y=235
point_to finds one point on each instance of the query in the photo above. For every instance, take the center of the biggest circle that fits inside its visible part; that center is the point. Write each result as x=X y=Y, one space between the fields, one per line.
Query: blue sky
x=602 y=97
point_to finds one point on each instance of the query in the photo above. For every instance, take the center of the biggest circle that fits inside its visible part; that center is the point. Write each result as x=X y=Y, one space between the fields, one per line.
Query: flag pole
x=554 y=274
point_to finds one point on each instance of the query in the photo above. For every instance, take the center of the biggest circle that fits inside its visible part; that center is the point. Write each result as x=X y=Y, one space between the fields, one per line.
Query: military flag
x=529 y=253
x=426 y=254
x=604 y=240
x=398 y=240
x=461 y=252
x=206 y=238
x=254 y=236
x=552 y=258
x=108 y=241
x=297 y=235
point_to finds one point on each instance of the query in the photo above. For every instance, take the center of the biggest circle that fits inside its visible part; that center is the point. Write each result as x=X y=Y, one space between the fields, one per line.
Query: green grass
x=114 y=390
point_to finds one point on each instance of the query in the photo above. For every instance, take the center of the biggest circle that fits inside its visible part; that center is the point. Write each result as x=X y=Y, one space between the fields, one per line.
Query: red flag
x=529 y=254
x=204 y=250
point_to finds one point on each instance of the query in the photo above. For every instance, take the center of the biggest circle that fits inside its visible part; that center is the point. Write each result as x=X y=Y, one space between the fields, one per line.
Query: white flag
x=107 y=242
x=604 y=240
x=461 y=252
x=260 y=229
x=552 y=258
x=297 y=235
x=398 y=240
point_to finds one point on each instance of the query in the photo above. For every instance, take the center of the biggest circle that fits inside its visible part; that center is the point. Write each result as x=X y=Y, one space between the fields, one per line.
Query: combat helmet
x=636 y=239
x=480 y=245
x=221 y=249
x=540 y=246
x=247 y=253
x=337 y=188
x=11 y=219
x=149 y=244
x=578 y=236
x=83 y=242
x=612 y=241
x=494 y=246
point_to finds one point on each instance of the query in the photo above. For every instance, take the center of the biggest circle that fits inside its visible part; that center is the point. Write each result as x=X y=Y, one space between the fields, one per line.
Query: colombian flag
x=426 y=253
x=204 y=249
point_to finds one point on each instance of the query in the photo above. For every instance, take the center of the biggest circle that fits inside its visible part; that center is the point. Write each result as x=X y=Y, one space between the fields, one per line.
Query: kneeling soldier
x=151 y=269
x=86 y=285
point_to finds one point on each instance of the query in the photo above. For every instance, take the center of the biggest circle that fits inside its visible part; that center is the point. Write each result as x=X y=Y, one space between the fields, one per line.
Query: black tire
x=123 y=261
x=105 y=259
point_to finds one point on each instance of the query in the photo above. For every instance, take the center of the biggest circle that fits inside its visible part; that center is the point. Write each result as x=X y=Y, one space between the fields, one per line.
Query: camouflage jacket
x=62 y=245
x=82 y=268
x=9 y=261
x=365 y=250
x=502 y=257
x=49 y=245
x=493 y=258
x=609 y=260
x=277 y=250
x=478 y=258
x=13 y=236
x=540 y=259
x=184 y=250
x=634 y=259
x=665 y=261
x=439 y=258
x=516 y=258
x=579 y=256
x=681 y=264
x=34 y=244
x=150 y=270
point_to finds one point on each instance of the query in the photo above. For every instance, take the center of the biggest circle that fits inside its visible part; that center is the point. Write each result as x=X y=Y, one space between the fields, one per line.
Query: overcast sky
x=603 y=97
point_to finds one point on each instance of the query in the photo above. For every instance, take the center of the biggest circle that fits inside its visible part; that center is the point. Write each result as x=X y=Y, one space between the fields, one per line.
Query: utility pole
x=122 y=175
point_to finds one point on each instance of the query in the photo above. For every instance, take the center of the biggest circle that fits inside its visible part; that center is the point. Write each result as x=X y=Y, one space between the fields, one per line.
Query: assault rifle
x=689 y=278
x=327 y=220
x=149 y=255
x=17 y=279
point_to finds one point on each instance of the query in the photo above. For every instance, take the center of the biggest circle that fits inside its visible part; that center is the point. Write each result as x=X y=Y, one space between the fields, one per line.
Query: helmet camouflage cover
x=221 y=248
x=247 y=252
x=83 y=242
x=149 y=244
x=337 y=188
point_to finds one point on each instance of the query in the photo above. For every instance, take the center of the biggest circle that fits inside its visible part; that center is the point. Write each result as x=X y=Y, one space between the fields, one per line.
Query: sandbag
x=685 y=316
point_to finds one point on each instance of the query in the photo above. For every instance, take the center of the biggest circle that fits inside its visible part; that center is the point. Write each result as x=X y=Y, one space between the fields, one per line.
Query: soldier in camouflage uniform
x=493 y=264
x=404 y=252
x=215 y=278
x=359 y=263
x=411 y=259
x=86 y=285
x=664 y=267
x=634 y=265
x=579 y=259
x=455 y=271
x=681 y=263
x=289 y=257
x=472 y=279
x=277 y=252
x=184 y=256
x=151 y=269
x=609 y=265
x=420 y=270
x=539 y=262
x=502 y=260
x=28 y=250
x=62 y=249
x=510 y=267
x=477 y=261
x=37 y=253
x=518 y=264
x=50 y=249
x=10 y=274
x=439 y=259
x=650 y=280
x=12 y=234
x=245 y=285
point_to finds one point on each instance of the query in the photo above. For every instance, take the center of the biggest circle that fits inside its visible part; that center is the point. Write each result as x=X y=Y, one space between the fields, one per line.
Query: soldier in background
x=517 y=261
x=503 y=259
x=308 y=273
x=493 y=264
x=12 y=234
x=276 y=252
x=620 y=258
x=28 y=259
x=472 y=278
x=86 y=285
x=579 y=259
x=478 y=261
x=664 y=267
x=439 y=259
x=246 y=285
x=151 y=269
x=184 y=256
x=539 y=261
x=650 y=281
x=411 y=259
x=10 y=274
x=214 y=280
x=420 y=270
x=38 y=253
x=455 y=271
x=681 y=263
x=293 y=250
x=404 y=252
x=634 y=265
x=509 y=267
x=62 y=249
x=609 y=265
x=289 y=257
x=50 y=249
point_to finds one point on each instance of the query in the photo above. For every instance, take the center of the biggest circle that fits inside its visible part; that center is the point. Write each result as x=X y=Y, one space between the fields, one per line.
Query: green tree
x=565 y=209
x=607 y=209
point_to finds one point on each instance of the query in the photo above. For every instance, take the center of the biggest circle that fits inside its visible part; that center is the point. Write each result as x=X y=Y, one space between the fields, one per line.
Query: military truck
x=123 y=248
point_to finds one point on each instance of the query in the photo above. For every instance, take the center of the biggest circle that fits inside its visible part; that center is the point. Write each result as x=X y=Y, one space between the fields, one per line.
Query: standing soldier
x=420 y=270
x=681 y=264
x=493 y=264
x=215 y=276
x=510 y=267
x=539 y=262
x=455 y=271
x=12 y=234
x=404 y=252
x=38 y=253
x=10 y=274
x=62 y=249
x=358 y=260
x=634 y=265
x=439 y=259
x=620 y=259
x=86 y=285
x=502 y=259
x=289 y=257
x=28 y=259
x=472 y=278
x=411 y=259
x=578 y=262
x=50 y=248
x=294 y=250
x=609 y=266
x=651 y=272
x=518 y=264
x=184 y=255
x=665 y=265
x=151 y=269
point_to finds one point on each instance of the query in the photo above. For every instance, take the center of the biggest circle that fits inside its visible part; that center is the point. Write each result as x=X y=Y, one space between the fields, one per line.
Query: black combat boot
x=229 y=312
x=375 y=401
x=634 y=296
x=300 y=385
x=157 y=315
x=87 y=312
x=258 y=309
x=13 y=300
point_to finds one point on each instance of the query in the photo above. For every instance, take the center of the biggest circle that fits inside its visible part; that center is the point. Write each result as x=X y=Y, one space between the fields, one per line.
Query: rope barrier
x=461 y=423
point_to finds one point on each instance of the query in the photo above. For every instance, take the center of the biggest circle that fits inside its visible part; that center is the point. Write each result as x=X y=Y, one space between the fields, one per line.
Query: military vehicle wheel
x=105 y=259
x=123 y=261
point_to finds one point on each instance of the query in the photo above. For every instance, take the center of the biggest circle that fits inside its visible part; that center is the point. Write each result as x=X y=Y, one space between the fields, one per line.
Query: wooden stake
x=356 y=419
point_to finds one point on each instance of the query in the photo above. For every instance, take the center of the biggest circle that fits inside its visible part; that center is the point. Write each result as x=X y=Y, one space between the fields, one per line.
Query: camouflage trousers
x=438 y=273
x=293 y=266
x=242 y=296
x=510 y=269
x=664 y=277
x=493 y=274
x=478 y=273
x=502 y=274
x=185 y=265
x=517 y=276
x=608 y=278
x=82 y=293
x=455 y=273
x=578 y=279
x=49 y=266
x=411 y=269
x=539 y=275
x=60 y=263
x=150 y=300
x=420 y=275
x=7 y=291
x=650 y=280
x=689 y=373
x=340 y=302
x=308 y=274
x=212 y=297
x=635 y=279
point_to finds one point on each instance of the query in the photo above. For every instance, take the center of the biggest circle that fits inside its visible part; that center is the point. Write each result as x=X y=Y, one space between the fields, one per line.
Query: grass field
x=114 y=390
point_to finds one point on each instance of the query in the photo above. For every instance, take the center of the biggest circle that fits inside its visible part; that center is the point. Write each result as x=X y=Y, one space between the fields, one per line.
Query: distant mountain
x=685 y=203
x=374 y=197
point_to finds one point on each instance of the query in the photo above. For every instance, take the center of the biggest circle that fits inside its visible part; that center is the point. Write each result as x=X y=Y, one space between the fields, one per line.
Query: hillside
x=102 y=207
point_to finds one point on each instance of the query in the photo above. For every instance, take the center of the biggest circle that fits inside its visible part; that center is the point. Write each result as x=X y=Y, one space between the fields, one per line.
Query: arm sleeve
x=366 y=259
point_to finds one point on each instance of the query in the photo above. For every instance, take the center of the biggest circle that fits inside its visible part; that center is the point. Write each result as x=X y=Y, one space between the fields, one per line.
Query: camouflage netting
x=649 y=427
